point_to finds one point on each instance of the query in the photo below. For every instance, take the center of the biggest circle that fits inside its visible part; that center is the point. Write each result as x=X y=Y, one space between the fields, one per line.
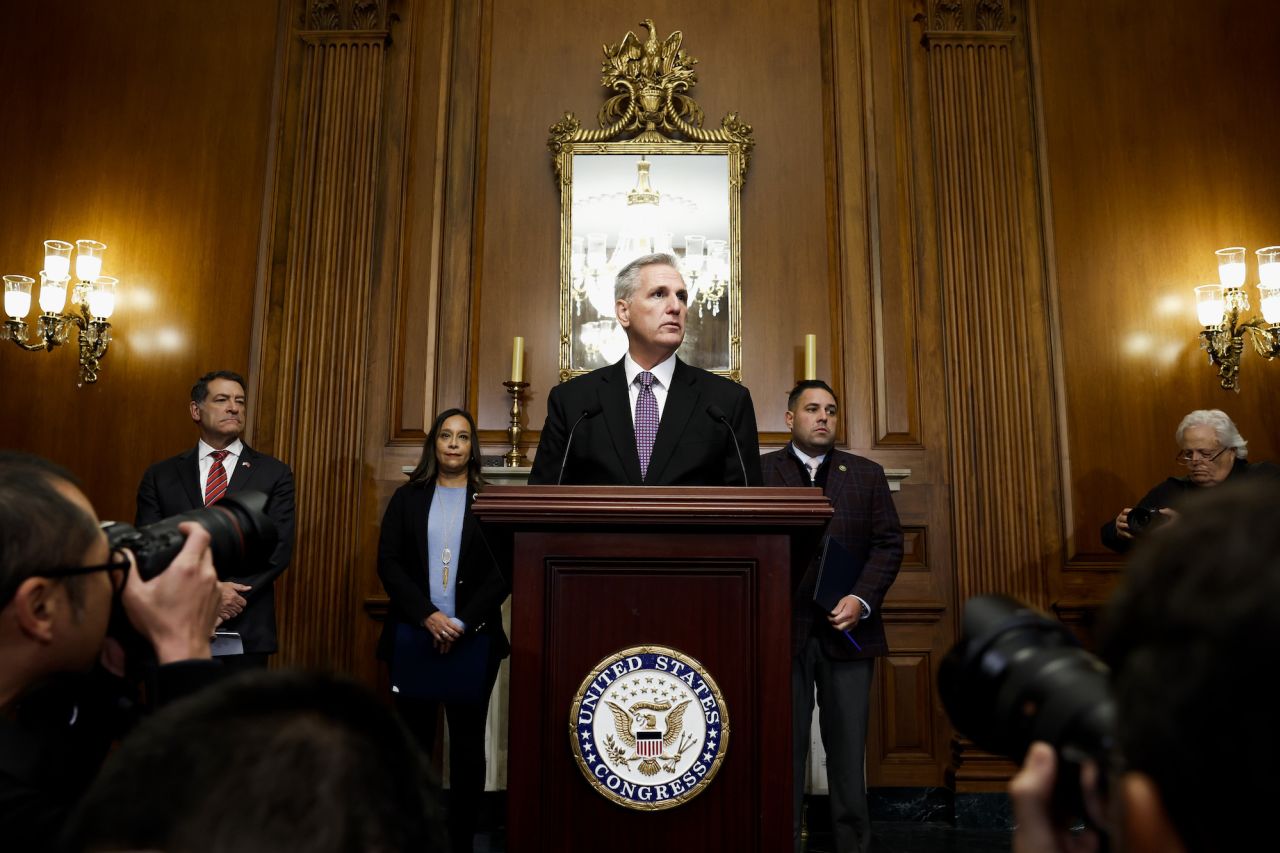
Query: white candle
x=810 y=356
x=517 y=359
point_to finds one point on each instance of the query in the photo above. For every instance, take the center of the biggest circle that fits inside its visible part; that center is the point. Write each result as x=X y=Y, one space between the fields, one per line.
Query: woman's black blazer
x=402 y=561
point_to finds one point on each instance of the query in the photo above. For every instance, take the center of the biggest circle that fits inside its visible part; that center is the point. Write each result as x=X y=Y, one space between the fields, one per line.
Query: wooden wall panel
x=143 y=124
x=1159 y=149
x=321 y=323
x=997 y=354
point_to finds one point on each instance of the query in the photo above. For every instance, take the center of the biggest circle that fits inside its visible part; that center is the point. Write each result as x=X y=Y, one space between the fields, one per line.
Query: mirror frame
x=651 y=113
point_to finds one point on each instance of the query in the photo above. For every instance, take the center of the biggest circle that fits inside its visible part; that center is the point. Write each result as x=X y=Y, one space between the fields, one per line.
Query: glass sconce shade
x=102 y=297
x=1270 y=298
x=1231 y=266
x=53 y=293
x=1211 y=304
x=89 y=259
x=17 y=295
x=57 y=259
x=1269 y=265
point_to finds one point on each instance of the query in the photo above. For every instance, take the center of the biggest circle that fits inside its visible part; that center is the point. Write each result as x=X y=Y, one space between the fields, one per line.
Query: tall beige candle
x=517 y=360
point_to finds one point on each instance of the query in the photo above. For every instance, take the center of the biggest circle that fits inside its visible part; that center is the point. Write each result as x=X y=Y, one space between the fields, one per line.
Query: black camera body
x=1143 y=519
x=1017 y=676
x=242 y=536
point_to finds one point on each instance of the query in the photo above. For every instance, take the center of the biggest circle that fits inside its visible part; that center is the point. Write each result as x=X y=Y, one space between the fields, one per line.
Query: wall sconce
x=1219 y=308
x=93 y=294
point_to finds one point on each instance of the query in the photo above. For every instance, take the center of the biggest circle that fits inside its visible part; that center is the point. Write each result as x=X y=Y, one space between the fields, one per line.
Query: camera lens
x=242 y=536
x=1017 y=676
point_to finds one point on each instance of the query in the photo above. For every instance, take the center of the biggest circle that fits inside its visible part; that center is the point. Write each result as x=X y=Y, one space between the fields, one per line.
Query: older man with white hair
x=1212 y=450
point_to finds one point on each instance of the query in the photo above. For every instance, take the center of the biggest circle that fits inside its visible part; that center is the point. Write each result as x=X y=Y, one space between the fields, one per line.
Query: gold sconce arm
x=1225 y=343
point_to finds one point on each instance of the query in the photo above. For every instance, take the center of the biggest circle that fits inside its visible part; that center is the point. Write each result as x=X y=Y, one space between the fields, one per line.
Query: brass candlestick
x=514 y=458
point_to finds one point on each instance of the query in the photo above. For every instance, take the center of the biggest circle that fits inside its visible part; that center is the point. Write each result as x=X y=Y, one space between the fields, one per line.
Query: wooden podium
x=705 y=571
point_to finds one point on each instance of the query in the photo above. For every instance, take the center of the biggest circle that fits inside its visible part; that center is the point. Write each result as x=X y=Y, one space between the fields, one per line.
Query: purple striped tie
x=646 y=420
x=216 y=483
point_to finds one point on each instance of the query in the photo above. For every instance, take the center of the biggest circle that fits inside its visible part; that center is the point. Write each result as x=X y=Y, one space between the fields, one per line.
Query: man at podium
x=650 y=419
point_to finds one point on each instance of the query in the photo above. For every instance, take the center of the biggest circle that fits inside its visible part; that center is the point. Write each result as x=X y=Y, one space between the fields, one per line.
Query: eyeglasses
x=119 y=560
x=1188 y=457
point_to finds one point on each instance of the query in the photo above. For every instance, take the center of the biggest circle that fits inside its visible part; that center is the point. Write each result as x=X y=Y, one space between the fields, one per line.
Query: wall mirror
x=651 y=179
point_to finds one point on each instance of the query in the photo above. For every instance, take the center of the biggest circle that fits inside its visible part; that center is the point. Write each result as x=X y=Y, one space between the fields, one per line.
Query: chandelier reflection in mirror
x=93 y=298
x=644 y=218
x=1220 y=309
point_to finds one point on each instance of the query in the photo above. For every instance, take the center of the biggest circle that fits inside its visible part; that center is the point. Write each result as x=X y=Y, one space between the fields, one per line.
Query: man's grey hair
x=624 y=286
x=1223 y=427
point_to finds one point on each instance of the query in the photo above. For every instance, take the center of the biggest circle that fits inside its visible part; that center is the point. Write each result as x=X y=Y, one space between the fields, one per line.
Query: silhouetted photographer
x=1171 y=725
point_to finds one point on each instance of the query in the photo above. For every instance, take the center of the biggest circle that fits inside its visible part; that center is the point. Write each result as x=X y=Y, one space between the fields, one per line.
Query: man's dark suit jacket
x=866 y=523
x=174 y=486
x=402 y=565
x=691 y=449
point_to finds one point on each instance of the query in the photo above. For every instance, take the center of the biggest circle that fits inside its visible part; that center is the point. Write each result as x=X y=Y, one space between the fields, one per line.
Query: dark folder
x=418 y=671
x=838 y=571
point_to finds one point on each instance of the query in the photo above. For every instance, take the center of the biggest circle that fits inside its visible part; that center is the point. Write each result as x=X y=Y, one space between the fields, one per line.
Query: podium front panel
x=721 y=598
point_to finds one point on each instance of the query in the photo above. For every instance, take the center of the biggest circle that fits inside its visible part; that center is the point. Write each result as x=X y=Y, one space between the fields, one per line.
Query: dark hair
x=200 y=390
x=301 y=761
x=804 y=385
x=1191 y=640
x=39 y=527
x=425 y=473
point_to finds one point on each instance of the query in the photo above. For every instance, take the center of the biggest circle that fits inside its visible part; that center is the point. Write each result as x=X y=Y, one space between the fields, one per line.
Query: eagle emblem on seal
x=648 y=740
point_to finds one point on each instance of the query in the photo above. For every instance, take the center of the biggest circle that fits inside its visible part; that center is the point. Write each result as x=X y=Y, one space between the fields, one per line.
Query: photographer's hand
x=1031 y=793
x=1122 y=523
x=176 y=609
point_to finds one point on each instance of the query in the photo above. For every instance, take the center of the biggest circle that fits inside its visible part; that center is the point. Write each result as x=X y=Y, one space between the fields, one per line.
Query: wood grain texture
x=327 y=287
x=997 y=357
x=140 y=124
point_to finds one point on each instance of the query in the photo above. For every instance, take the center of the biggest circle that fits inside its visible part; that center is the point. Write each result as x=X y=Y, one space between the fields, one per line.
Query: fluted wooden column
x=996 y=324
x=323 y=329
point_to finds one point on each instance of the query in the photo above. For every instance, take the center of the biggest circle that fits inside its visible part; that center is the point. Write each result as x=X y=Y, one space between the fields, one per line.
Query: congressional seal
x=649 y=727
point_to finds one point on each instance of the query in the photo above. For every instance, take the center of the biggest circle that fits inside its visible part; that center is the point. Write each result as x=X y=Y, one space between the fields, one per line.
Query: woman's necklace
x=446 y=555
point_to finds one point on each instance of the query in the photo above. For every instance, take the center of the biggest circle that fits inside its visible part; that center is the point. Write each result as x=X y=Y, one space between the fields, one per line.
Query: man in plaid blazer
x=836 y=651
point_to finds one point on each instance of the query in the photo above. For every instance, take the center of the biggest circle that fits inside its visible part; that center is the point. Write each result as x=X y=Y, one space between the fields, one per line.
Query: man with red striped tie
x=220 y=464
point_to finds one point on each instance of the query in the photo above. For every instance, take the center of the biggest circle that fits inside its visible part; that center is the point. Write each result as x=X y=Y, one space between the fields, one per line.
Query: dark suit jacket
x=174 y=486
x=690 y=449
x=866 y=523
x=402 y=565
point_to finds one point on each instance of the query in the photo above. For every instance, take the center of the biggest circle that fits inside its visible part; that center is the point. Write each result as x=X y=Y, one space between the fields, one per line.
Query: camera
x=1144 y=518
x=241 y=532
x=1018 y=676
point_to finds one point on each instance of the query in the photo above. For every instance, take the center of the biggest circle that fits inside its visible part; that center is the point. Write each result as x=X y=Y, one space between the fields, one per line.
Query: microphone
x=587 y=412
x=717 y=414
